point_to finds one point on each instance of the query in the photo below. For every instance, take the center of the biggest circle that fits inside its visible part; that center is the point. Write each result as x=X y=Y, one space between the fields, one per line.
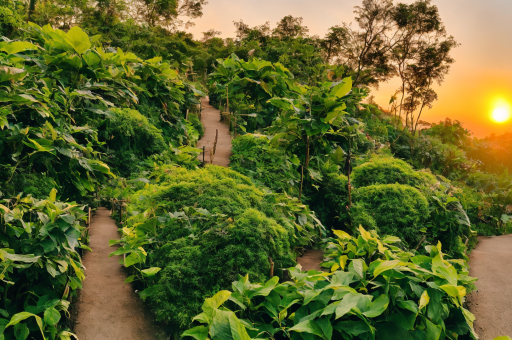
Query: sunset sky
x=481 y=76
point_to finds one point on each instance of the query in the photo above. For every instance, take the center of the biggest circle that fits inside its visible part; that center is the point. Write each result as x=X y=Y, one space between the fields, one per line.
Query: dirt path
x=210 y=117
x=108 y=309
x=491 y=262
x=311 y=260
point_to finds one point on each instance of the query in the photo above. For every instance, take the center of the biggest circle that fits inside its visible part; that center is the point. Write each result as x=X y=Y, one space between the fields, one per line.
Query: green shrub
x=398 y=210
x=205 y=227
x=133 y=131
x=254 y=157
x=389 y=171
x=330 y=200
x=195 y=129
x=130 y=138
x=194 y=268
x=374 y=291
x=40 y=266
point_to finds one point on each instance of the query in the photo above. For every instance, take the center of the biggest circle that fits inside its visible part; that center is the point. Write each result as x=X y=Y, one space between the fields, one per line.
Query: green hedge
x=396 y=209
x=205 y=227
x=389 y=171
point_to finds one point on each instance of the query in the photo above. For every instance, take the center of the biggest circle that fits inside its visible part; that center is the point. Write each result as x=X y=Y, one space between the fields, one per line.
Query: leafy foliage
x=210 y=218
x=41 y=267
x=396 y=209
x=375 y=291
x=253 y=156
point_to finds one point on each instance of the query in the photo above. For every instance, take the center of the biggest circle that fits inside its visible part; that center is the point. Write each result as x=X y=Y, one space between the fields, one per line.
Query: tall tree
x=290 y=27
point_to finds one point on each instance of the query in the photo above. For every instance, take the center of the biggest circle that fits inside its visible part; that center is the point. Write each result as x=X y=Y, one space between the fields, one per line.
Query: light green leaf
x=198 y=333
x=78 y=39
x=378 y=306
x=309 y=326
x=342 y=89
x=151 y=271
x=17 y=47
x=386 y=265
x=51 y=316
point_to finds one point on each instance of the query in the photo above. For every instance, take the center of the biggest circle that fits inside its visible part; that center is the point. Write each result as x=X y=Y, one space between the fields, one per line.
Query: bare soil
x=109 y=309
x=491 y=262
x=210 y=117
x=311 y=260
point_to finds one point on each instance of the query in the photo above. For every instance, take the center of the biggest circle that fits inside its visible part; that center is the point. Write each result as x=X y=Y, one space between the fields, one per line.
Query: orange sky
x=481 y=75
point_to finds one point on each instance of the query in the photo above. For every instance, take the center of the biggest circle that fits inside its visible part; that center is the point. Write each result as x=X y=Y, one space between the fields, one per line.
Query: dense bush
x=389 y=171
x=130 y=138
x=396 y=209
x=203 y=228
x=375 y=291
x=253 y=156
x=40 y=266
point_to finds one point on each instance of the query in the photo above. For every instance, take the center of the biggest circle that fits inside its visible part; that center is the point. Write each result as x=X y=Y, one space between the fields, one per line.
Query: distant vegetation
x=99 y=107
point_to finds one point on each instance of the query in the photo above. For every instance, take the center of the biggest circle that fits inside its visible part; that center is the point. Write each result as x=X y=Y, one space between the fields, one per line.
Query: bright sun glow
x=500 y=114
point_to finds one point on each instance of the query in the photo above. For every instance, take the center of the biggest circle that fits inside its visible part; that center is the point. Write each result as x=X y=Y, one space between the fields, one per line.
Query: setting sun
x=500 y=115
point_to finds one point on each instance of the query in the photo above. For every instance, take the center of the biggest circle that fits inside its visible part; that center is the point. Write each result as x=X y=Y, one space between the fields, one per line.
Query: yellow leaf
x=335 y=267
x=366 y=235
x=424 y=300
x=342 y=235
x=343 y=261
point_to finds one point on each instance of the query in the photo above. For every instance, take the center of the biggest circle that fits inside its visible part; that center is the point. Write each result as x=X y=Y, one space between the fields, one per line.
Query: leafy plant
x=215 y=218
x=41 y=267
x=309 y=115
x=374 y=291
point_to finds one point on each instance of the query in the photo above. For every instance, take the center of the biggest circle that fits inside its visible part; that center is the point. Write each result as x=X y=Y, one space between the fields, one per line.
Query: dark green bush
x=130 y=137
x=397 y=209
x=331 y=199
x=205 y=227
x=389 y=171
x=254 y=157
x=194 y=268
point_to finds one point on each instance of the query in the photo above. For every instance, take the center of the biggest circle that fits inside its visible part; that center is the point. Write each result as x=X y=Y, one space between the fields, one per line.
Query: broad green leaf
x=130 y=278
x=17 y=318
x=264 y=291
x=309 y=326
x=378 y=306
x=151 y=271
x=51 y=316
x=21 y=331
x=78 y=39
x=433 y=331
x=358 y=267
x=342 y=89
x=386 y=265
x=409 y=305
x=210 y=304
x=198 y=333
x=226 y=326
x=348 y=302
x=354 y=328
x=17 y=47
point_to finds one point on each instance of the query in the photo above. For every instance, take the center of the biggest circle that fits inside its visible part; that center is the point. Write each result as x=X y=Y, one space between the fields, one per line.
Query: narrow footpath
x=491 y=262
x=109 y=309
x=210 y=117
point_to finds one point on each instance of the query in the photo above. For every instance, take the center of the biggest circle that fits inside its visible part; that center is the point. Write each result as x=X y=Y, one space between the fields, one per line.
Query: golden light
x=500 y=114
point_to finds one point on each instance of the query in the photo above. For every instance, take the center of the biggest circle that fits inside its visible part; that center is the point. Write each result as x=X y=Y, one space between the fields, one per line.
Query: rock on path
x=109 y=309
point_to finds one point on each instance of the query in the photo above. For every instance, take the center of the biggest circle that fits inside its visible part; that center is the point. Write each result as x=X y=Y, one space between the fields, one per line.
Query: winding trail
x=210 y=117
x=109 y=309
x=491 y=262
